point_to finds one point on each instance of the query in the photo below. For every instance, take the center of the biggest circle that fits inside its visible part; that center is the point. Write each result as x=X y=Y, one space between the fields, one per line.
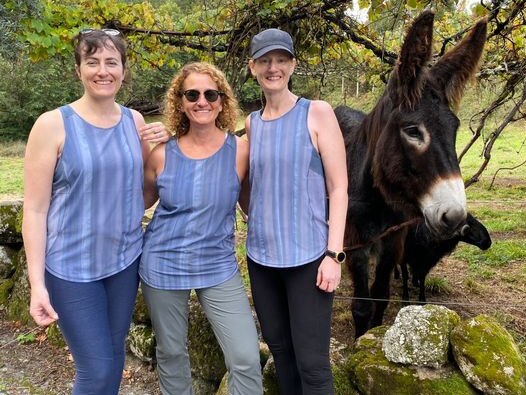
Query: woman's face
x=102 y=72
x=273 y=70
x=201 y=112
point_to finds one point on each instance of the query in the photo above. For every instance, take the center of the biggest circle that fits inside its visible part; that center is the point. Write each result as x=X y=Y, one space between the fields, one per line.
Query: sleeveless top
x=287 y=220
x=189 y=243
x=94 y=219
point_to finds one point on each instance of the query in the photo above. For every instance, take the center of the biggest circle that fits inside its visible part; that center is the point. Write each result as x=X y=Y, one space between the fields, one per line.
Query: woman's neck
x=102 y=113
x=201 y=142
x=278 y=103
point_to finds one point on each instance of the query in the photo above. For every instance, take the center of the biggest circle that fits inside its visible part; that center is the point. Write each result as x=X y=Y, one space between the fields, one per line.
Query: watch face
x=340 y=257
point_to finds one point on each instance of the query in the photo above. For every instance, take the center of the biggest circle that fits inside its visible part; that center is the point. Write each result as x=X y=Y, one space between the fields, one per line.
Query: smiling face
x=273 y=70
x=101 y=72
x=201 y=112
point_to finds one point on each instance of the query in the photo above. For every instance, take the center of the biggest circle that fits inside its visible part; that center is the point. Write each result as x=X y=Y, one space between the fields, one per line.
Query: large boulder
x=11 y=222
x=373 y=374
x=488 y=356
x=420 y=336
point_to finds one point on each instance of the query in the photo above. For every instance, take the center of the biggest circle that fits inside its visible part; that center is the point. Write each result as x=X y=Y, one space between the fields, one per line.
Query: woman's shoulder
x=49 y=122
x=320 y=106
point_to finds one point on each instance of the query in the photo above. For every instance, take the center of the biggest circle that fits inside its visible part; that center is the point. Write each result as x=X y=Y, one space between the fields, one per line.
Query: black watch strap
x=338 y=256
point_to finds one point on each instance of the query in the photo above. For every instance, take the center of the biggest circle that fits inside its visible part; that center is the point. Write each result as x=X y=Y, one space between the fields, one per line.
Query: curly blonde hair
x=176 y=120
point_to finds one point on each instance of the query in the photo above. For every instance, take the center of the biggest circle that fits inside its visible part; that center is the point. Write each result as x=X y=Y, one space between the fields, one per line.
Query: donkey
x=401 y=161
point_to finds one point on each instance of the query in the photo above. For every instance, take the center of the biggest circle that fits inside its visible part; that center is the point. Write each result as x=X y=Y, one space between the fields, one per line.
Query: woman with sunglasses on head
x=297 y=161
x=83 y=206
x=189 y=244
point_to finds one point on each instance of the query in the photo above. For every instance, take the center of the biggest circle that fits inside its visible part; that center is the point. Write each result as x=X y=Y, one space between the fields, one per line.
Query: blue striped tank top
x=189 y=244
x=287 y=221
x=94 y=219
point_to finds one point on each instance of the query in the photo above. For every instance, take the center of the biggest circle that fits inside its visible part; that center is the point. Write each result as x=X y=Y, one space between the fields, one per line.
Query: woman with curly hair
x=189 y=244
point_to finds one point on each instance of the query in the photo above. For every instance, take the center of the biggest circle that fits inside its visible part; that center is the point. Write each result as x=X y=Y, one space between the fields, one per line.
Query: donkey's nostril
x=453 y=217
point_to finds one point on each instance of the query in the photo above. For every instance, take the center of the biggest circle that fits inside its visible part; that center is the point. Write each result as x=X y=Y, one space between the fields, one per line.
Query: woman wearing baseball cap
x=297 y=209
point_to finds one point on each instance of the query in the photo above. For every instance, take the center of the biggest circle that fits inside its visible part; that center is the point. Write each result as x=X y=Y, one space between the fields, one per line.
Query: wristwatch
x=338 y=256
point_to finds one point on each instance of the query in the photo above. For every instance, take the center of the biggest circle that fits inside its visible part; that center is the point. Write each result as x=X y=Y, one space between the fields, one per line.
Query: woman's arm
x=42 y=150
x=149 y=133
x=329 y=140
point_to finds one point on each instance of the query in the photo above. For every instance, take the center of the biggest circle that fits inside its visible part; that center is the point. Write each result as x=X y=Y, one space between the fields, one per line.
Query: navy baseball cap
x=269 y=40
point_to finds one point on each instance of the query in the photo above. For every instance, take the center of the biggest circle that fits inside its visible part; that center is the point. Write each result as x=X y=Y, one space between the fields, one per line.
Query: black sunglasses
x=109 y=32
x=211 y=95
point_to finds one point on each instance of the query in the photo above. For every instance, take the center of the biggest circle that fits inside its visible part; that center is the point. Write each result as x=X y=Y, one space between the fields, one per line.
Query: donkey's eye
x=412 y=132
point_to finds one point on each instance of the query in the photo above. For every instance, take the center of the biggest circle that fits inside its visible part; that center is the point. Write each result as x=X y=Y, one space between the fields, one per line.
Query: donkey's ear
x=408 y=77
x=456 y=67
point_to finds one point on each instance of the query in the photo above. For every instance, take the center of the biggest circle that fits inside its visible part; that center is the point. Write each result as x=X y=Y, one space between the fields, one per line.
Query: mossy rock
x=342 y=381
x=18 y=303
x=270 y=384
x=373 y=374
x=488 y=356
x=206 y=356
x=54 y=335
x=6 y=286
x=420 y=336
x=10 y=222
x=141 y=342
x=8 y=261
x=140 y=312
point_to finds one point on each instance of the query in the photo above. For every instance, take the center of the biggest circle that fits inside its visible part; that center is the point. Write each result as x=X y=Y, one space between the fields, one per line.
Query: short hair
x=87 y=43
x=176 y=120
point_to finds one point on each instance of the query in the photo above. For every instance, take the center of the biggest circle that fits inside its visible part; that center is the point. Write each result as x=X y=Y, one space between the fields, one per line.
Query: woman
x=83 y=205
x=297 y=159
x=189 y=244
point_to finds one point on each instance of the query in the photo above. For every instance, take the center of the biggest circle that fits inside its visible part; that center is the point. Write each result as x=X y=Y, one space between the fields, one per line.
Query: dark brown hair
x=87 y=43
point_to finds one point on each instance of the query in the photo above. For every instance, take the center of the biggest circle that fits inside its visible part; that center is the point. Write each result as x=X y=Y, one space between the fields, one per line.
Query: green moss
x=454 y=383
x=5 y=289
x=54 y=335
x=342 y=382
x=9 y=212
x=488 y=355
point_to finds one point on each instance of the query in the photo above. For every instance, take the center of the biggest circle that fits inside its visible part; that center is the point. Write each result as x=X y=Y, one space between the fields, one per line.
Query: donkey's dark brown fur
x=402 y=162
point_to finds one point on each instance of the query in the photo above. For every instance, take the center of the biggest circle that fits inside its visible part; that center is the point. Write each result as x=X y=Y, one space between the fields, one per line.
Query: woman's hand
x=154 y=132
x=329 y=274
x=40 y=308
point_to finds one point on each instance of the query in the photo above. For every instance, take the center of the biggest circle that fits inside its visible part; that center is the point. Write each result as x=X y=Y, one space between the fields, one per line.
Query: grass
x=437 y=285
x=11 y=177
x=508 y=151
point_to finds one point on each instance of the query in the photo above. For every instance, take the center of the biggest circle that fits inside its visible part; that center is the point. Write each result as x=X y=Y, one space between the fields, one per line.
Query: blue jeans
x=295 y=320
x=94 y=318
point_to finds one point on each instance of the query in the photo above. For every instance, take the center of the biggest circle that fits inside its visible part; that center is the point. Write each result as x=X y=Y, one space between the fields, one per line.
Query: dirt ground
x=40 y=368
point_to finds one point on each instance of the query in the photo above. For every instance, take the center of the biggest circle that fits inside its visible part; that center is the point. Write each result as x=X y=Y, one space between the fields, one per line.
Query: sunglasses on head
x=211 y=95
x=109 y=32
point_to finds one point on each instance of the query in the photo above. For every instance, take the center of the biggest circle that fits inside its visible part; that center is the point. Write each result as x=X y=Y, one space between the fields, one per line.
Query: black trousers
x=295 y=320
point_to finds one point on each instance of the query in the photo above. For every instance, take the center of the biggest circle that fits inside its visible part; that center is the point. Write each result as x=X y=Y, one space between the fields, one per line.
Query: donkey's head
x=414 y=158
